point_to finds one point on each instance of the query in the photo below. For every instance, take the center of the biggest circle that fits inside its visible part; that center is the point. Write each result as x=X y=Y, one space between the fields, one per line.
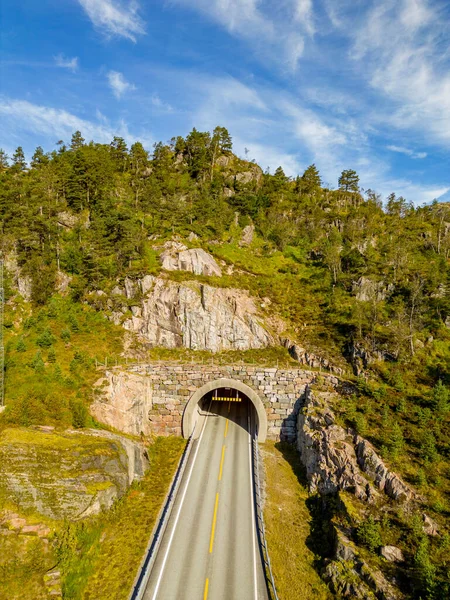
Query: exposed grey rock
x=253 y=174
x=327 y=451
x=349 y=576
x=117 y=291
x=123 y=402
x=193 y=237
x=228 y=193
x=336 y=459
x=392 y=553
x=68 y=475
x=385 y=480
x=131 y=288
x=367 y=290
x=247 y=235
x=223 y=161
x=177 y=257
x=25 y=286
x=67 y=219
x=308 y=358
x=197 y=316
x=62 y=282
x=430 y=527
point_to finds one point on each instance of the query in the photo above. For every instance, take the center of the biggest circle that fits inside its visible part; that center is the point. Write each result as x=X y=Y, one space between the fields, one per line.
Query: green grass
x=23 y=562
x=288 y=526
x=101 y=557
x=50 y=362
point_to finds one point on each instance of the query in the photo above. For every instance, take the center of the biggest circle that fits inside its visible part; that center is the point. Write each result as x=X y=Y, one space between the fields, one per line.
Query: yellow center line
x=205 y=593
x=226 y=428
x=221 y=463
x=211 y=541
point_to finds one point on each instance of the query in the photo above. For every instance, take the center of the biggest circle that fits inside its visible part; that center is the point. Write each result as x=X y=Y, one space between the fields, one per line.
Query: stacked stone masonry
x=169 y=387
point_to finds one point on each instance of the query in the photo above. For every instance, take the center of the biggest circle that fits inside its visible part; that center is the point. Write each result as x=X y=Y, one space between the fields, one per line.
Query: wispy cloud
x=158 y=103
x=303 y=13
x=67 y=63
x=119 y=84
x=399 y=47
x=57 y=123
x=115 y=17
x=278 y=35
x=407 y=151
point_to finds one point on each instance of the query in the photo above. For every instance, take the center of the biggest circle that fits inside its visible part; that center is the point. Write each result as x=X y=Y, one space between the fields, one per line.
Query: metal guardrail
x=260 y=521
x=159 y=529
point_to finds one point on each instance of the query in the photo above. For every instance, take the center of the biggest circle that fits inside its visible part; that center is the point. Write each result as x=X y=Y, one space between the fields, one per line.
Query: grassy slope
x=99 y=556
x=50 y=361
x=105 y=561
x=288 y=528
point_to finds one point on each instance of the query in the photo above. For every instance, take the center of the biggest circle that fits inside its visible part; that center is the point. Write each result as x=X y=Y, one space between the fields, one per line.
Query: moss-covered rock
x=66 y=475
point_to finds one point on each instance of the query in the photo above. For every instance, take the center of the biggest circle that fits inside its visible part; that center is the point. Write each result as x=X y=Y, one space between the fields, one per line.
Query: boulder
x=430 y=527
x=247 y=235
x=176 y=257
x=392 y=554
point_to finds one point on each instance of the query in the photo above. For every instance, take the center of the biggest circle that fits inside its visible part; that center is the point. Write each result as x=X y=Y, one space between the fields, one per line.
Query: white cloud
x=303 y=13
x=118 y=84
x=115 y=17
x=160 y=104
x=276 y=33
x=67 y=63
x=399 y=48
x=407 y=151
x=56 y=123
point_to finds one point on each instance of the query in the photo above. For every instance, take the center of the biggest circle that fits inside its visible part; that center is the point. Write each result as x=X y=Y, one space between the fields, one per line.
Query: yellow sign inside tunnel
x=220 y=399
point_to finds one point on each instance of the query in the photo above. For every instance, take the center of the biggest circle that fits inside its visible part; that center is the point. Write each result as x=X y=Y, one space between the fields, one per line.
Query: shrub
x=80 y=414
x=428 y=447
x=37 y=363
x=65 y=335
x=369 y=534
x=425 y=571
x=21 y=346
x=361 y=424
x=46 y=339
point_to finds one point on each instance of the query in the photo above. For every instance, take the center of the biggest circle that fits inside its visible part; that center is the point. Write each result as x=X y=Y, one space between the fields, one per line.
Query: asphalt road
x=210 y=548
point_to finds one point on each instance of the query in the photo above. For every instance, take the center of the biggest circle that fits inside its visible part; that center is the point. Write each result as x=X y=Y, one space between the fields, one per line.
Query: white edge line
x=158 y=583
x=253 y=510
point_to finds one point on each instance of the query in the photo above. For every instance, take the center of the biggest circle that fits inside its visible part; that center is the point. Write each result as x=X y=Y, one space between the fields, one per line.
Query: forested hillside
x=359 y=279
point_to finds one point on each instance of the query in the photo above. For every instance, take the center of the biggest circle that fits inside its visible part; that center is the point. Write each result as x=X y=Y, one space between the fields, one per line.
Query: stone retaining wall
x=151 y=398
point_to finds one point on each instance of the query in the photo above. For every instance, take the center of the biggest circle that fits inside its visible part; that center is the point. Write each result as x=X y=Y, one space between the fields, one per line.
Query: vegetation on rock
x=363 y=283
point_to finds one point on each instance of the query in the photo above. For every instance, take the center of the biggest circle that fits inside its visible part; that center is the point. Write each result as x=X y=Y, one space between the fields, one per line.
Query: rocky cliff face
x=337 y=459
x=177 y=257
x=67 y=475
x=124 y=403
x=194 y=315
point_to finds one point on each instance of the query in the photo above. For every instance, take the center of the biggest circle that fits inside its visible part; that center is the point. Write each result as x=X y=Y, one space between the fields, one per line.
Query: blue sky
x=346 y=84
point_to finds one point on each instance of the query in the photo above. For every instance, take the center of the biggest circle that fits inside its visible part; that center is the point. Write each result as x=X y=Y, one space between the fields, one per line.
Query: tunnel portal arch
x=191 y=410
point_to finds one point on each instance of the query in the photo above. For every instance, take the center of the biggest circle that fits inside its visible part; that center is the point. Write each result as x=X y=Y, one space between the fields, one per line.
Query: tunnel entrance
x=226 y=391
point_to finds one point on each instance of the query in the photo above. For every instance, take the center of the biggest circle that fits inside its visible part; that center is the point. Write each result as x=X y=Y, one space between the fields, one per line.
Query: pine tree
x=310 y=181
x=4 y=164
x=39 y=158
x=349 y=181
x=119 y=153
x=77 y=141
x=18 y=160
